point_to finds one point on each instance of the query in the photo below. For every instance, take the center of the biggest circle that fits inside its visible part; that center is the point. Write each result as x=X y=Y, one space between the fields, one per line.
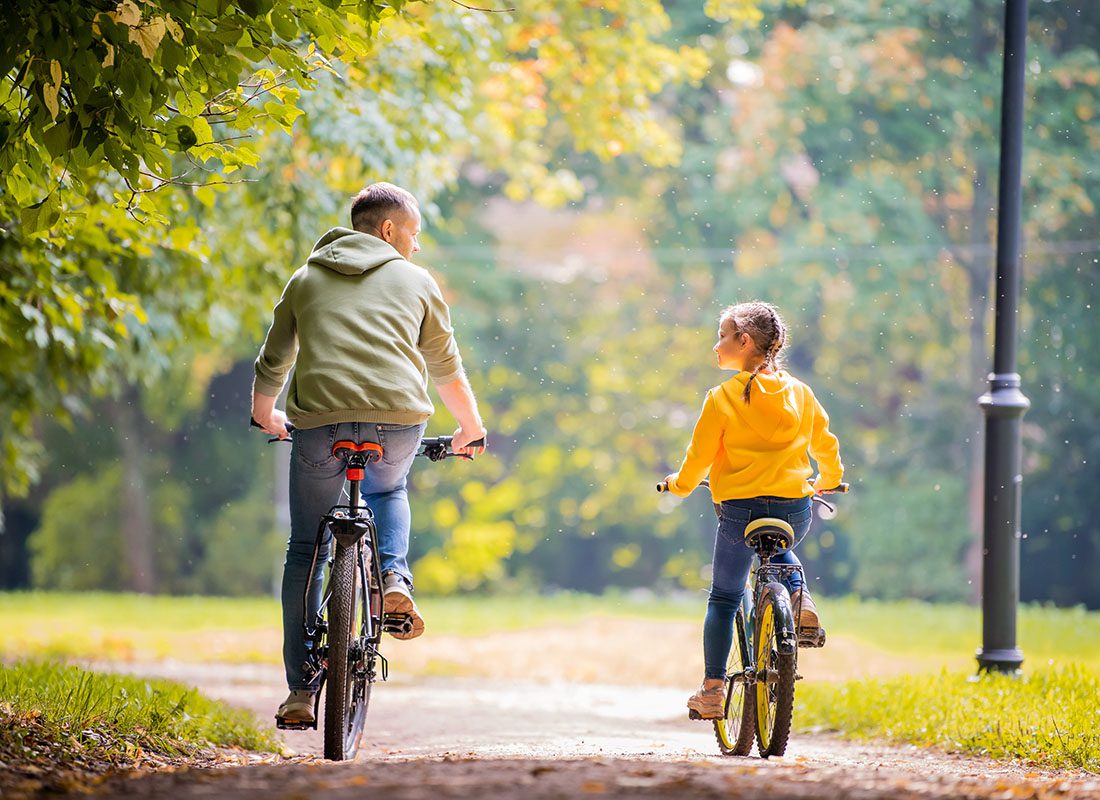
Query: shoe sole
x=399 y=604
x=695 y=713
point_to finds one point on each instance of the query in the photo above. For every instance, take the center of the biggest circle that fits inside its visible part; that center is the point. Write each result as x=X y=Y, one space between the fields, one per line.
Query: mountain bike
x=763 y=661
x=343 y=638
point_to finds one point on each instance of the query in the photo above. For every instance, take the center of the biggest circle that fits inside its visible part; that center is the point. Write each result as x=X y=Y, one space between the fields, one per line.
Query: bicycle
x=344 y=636
x=763 y=663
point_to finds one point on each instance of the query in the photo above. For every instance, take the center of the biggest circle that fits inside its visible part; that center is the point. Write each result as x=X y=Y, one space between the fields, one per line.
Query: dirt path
x=441 y=738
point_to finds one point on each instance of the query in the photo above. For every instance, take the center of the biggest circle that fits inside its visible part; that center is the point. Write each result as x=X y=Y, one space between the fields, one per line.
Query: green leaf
x=180 y=133
x=284 y=23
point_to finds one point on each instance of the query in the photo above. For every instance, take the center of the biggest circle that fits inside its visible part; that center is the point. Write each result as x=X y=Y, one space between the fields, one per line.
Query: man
x=364 y=330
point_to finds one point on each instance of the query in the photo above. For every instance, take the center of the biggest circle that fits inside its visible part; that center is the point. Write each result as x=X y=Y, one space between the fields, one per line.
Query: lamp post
x=1004 y=404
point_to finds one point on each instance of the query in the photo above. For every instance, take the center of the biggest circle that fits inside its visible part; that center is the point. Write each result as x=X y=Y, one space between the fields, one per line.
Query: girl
x=752 y=437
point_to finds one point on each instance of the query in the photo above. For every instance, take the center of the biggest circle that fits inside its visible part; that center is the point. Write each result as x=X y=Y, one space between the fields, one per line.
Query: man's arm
x=459 y=399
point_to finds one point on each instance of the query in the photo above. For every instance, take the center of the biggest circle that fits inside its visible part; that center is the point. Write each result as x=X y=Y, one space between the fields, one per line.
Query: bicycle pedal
x=294 y=725
x=693 y=714
x=811 y=637
x=397 y=623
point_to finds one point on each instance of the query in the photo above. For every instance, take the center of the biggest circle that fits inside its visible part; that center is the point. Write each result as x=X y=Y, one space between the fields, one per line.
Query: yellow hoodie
x=760 y=448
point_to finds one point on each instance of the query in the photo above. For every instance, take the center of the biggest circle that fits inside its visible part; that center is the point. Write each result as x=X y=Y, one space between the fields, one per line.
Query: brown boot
x=807 y=616
x=708 y=703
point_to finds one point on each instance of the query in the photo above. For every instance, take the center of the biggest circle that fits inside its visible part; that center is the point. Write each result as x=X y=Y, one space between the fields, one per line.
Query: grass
x=56 y=718
x=119 y=627
x=1049 y=717
x=914 y=660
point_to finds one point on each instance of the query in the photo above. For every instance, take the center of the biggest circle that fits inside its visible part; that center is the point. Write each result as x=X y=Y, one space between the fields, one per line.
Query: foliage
x=106 y=277
x=108 y=717
x=78 y=547
x=1046 y=718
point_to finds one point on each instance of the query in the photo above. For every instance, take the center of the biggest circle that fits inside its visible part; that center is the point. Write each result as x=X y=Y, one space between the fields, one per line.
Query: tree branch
x=486 y=10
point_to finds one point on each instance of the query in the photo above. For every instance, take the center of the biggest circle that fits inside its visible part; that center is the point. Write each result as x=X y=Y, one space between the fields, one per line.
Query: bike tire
x=775 y=678
x=735 y=730
x=341 y=729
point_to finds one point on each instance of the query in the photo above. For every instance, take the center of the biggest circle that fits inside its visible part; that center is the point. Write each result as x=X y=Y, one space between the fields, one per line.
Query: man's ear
x=386 y=229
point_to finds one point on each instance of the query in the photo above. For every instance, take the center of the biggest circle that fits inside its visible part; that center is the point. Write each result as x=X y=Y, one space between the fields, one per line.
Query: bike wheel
x=734 y=731
x=348 y=691
x=775 y=677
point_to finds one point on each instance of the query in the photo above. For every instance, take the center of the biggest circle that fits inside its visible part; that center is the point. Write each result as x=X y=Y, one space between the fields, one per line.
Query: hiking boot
x=807 y=616
x=709 y=703
x=298 y=707
x=398 y=604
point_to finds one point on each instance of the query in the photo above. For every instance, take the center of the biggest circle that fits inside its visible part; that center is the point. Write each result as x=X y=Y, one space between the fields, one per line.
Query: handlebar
x=437 y=448
x=840 y=488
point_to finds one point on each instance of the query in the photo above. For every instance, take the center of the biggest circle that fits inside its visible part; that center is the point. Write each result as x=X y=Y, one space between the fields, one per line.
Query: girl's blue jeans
x=316 y=481
x=732 y=562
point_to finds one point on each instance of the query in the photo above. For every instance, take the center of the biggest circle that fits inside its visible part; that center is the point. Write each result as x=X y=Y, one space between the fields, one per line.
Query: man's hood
x=775 y=409
x=350 y=252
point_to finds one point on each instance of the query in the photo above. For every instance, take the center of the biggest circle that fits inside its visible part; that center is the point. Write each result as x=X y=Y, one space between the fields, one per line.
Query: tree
x=115 y=153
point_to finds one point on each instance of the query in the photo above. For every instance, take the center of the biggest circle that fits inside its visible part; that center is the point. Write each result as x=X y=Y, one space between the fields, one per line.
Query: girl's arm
x=706 y=441
x=825 y=448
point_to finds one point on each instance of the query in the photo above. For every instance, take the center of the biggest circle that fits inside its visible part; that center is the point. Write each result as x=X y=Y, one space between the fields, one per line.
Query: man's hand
x=275 y=424
x=463 y=437
x=271 y=419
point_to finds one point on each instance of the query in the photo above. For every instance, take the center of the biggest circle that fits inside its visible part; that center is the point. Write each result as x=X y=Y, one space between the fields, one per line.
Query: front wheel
x=734 y=730
x=348 y=690
x=775 y=677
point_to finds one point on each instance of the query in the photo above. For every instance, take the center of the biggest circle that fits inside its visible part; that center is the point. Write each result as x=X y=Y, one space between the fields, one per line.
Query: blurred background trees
x=599 y=180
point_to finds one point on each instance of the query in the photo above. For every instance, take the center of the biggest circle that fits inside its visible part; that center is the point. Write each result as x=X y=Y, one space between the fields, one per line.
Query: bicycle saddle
x=769 y=533
x=344 y=449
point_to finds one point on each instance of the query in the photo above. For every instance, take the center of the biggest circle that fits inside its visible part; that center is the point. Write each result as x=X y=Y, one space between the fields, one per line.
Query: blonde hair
x=764 y=325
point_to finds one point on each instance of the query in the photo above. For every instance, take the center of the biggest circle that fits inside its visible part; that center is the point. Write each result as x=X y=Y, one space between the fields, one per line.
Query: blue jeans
x=316 y=481
x=732 y=562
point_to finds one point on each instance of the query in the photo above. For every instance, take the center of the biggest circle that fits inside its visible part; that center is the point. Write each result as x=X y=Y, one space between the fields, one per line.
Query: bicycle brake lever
x=826 y=503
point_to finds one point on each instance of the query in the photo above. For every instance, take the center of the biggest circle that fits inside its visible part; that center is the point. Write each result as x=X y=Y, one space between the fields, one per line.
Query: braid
x=761 y=321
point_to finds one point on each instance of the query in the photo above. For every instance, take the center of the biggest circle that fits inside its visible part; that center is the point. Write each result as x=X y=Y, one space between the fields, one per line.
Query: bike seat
x=345 y=449
x=769 y=533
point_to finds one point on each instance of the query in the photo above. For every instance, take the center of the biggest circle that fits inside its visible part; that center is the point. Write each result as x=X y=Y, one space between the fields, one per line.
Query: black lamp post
x=1004 y=405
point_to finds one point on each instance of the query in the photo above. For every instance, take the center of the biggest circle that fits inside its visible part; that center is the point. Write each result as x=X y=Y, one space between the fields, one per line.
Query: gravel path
x=443 y=738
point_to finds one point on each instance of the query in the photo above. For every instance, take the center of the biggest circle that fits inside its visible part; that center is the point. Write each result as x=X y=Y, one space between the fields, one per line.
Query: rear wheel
x=734 y=731
x=775 y=677
x=348 y=690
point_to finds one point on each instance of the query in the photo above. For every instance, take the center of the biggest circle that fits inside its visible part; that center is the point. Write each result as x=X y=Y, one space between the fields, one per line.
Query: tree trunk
x=135 y=520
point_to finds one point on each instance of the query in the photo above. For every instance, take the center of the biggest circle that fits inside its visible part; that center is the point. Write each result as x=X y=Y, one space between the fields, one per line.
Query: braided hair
x=762 y=322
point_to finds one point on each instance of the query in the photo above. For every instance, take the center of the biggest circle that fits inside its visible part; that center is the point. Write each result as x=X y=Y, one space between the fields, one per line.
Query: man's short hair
x=377 y=203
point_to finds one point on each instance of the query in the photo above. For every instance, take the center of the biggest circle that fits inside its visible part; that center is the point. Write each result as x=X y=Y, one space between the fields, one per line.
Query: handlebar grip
x=662 y=487
x=479 y=443
x=840 y=488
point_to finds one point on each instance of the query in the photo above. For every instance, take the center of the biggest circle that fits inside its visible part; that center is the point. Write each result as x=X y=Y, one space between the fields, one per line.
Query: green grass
x=1049 y=717
x=1046 y=635
x=120 y=627
x=58 y=712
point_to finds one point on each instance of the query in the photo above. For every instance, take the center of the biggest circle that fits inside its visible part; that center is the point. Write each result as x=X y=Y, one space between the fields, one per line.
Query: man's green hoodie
x=363 y=329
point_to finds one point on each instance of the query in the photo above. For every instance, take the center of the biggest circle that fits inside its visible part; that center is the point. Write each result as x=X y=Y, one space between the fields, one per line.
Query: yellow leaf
x=148 y=36
x=55 y=72
x=49 y=96
x=174 y=29
x=109 y=59
x=127 y=13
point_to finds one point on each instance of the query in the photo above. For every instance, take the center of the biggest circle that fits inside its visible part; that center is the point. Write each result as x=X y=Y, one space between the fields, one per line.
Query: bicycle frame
x=350 y=528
